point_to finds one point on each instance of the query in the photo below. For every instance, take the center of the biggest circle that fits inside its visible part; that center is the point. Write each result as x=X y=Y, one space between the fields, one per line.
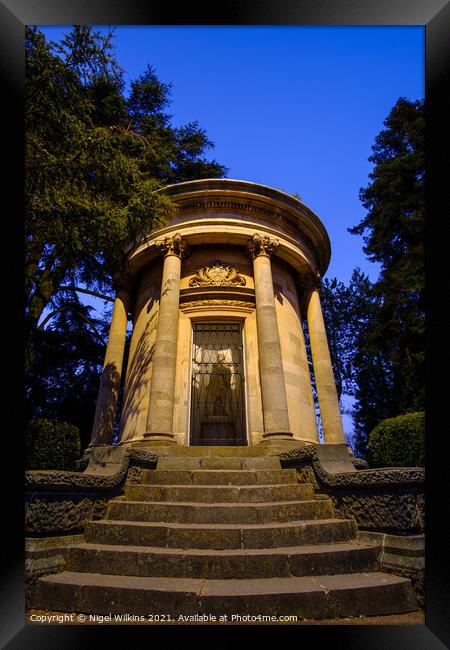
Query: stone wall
x=301 y=412
x=382 y=500
x=44 y=556
x=403 y=555
x=388 y=506
x=139 y=369
x=60 y=503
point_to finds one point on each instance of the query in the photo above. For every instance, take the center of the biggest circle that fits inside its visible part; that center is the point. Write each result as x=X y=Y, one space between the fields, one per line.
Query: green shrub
x=51 y=445
x=398 y=442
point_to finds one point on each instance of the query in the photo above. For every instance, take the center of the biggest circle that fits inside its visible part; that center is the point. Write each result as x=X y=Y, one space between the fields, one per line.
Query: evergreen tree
x=390 y=349
x=337 y=311
x=94 y=157
x=376 y=330
x=93 y=161
x=63 y=381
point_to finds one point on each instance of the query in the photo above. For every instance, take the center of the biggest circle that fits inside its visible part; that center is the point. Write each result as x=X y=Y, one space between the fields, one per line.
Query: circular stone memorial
x=218 y=298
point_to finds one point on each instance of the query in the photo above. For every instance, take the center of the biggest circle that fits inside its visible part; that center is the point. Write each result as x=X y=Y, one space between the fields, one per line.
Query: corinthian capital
x=262 y=245
x=172 y=245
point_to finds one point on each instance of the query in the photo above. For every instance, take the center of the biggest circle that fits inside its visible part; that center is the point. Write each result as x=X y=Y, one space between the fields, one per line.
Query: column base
x=276 y=435
x=159 y=438
x=279 y=444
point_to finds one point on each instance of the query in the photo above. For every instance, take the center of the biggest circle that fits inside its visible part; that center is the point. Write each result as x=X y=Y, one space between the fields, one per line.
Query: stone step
x=218 y=451
x=228 y=513
x=223 y=564
x=219 y=477
x=207 y=462
x=220 y=536
x=219 y=494
x=319 y=597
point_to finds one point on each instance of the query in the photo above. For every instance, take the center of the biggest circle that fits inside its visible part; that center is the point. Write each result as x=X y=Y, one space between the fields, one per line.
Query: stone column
x=273 y=390
x=162 y=388
x=105 y=411
x=330 y=413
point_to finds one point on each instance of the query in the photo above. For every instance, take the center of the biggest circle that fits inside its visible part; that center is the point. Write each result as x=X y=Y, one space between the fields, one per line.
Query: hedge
x=398 y=442
x=51 y=445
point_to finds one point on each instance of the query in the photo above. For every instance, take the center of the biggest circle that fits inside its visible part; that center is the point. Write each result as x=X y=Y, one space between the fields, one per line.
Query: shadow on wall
x=110 y=388
x=137 y=388
x=278 y=294
x=171 y=282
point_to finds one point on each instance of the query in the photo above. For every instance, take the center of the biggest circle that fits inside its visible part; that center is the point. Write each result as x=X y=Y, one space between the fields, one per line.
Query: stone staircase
x=222 y=534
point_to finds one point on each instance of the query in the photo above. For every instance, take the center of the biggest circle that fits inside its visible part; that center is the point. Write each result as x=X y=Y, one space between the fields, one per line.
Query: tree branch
x=92 y=293
x=85 y=318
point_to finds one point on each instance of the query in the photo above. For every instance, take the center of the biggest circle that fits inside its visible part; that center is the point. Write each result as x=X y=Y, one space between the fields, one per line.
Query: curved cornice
x=213 y=204
x=219 y=195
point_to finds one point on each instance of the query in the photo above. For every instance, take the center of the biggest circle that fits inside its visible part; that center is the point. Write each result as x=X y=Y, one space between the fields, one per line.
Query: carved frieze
x=241 y=304
x=217 y=274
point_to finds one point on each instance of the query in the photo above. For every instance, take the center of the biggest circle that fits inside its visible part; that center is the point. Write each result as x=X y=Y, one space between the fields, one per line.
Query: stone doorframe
x=243 y=380
x=245 y=316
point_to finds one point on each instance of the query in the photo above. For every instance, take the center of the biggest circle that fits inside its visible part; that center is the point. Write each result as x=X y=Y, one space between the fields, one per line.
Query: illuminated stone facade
x=217 y=299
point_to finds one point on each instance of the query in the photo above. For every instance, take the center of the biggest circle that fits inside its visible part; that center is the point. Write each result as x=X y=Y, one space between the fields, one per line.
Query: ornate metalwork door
x=217 y=402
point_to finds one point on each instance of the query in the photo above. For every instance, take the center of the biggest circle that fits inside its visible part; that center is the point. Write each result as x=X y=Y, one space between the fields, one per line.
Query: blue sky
x=296 y=108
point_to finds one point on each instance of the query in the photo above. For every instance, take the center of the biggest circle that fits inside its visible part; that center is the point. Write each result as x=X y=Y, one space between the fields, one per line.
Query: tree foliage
x=94 y=155
x=51 y=445
x=63 y=381
x=398 y=442
x=94 y=158
x=394 y=236
x=377 y=330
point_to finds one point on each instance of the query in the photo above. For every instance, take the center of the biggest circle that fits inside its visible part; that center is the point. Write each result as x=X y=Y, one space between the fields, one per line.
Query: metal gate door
x=217 y=402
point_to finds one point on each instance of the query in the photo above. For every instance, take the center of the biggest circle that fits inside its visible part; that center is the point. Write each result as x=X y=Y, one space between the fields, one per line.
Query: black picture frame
x=434 y=15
